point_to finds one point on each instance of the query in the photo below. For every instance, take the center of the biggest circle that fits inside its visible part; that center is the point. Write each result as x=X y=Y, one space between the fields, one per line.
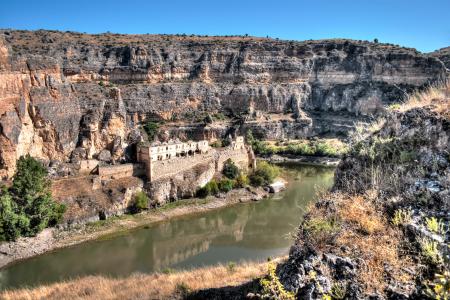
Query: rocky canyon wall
x=67 y=96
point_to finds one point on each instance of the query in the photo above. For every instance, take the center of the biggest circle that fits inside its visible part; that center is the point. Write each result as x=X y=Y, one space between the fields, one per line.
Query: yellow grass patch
x=436 y=96
x=143 y=286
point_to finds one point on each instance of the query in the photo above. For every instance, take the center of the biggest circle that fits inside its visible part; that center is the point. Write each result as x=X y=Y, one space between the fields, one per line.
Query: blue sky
x=424 y=25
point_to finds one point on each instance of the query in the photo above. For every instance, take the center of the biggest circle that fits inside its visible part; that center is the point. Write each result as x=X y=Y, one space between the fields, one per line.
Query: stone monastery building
x=172 y=157
x=175 y=148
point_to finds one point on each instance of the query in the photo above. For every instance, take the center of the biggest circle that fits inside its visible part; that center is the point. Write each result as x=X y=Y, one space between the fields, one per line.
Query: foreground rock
x=383 y=231
x=69 y=96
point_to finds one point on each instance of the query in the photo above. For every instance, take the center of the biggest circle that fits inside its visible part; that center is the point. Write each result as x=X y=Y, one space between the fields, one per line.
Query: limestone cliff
x=444 y=55
x=68 y=96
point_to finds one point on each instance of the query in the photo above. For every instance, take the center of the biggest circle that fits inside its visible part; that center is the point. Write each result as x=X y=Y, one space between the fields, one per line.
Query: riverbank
x=307 y=160
x=229 y=281
x=52 y=238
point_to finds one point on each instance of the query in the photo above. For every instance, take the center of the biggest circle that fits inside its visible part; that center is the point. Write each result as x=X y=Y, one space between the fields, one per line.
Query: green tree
x=27 y=207
x=230 y=169
x=30 y=180
x=11 y=223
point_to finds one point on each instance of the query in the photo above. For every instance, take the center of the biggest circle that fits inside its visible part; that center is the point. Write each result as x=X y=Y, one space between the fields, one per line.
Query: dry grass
x=364 y=235
x=436 y=96
x=142 y=286
x=360 y=213
x=371 y=237
x=362 y=130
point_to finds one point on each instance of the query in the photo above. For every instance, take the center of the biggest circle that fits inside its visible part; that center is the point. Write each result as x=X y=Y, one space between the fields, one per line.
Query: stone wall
x=239 y=156
x=181 y=177
x=182 y=184
x=88 y=166
x=120 y=171
x=171 y=167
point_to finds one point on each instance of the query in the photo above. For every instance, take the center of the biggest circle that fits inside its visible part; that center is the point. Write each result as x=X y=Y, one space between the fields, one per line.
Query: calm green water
x=251 y=231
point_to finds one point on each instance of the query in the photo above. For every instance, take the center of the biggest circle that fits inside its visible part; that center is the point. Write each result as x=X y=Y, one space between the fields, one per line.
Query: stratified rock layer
x=68 y=95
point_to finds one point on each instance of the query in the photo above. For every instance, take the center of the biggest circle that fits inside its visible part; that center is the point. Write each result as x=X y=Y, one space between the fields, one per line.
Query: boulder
x=104 y=155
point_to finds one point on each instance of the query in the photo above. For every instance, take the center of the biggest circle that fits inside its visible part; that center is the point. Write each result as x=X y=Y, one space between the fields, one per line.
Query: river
x=248 y=231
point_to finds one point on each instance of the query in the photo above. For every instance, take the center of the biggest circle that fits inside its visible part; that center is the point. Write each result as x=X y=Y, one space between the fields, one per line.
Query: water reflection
x=252 y=231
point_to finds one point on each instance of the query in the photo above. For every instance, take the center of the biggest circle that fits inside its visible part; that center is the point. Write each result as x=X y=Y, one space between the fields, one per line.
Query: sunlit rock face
x=67 y=94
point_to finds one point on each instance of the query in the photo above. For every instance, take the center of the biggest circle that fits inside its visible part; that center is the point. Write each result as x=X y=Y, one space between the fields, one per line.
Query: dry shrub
x=363 y=234
x=360 y=212
x=436 y=96
x=369 y=237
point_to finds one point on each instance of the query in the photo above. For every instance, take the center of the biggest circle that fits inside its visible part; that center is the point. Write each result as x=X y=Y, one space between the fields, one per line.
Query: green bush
x=309 y=148
x=183 y=289
x=264 y=174
x=230 y=170
x=216 y=144
x=325 y=149
x=225 y=185
x=257 y=180
x=407 y=156
x=203 y=192
x=226 y=142
x=151 y=128
x=257 y=146
x=219 y=116
x=140 y=202
x=430 y=251
x=271 y=286
x=12 y=224
x=242 y=181
x=394 y=106
x=313 y=148
x=402 y=217
x=211 y=188
x=315 y=226
x=27 y=207
x=435 y=225
x=208 y=119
